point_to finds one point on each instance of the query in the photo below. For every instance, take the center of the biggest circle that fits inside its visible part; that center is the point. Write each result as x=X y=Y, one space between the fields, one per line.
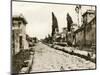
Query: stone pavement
x=50 y=59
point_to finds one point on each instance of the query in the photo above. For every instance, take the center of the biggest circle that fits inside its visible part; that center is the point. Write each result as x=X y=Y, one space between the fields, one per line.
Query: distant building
x=86 y=34
x=88 y=16
x=74 y=27
x=18 y=34
x=64 y=34
x=89 y=20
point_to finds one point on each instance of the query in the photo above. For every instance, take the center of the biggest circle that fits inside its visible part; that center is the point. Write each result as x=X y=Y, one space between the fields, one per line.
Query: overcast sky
x=39 y=16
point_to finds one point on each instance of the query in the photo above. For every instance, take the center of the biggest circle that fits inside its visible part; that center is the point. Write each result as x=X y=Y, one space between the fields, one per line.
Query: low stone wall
x=22 y=59
x=74 y=51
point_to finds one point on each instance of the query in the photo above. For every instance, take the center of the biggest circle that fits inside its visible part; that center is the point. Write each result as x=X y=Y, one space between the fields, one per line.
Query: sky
x=39 y=16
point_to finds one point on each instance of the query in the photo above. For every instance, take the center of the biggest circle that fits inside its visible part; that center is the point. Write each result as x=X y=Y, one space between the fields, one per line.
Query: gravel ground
x=49 y=59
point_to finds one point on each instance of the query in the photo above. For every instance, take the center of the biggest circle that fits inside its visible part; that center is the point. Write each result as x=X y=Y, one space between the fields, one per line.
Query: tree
x=69 y=22
x=54 y=24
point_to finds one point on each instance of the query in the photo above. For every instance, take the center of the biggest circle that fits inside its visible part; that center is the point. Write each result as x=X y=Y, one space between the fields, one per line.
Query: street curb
x=83 y=54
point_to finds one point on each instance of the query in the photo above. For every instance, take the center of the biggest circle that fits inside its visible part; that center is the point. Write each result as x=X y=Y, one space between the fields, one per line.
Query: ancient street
x=49 y=59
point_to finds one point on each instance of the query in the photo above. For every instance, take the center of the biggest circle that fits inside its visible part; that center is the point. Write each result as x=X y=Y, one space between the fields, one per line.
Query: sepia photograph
x=52 y=37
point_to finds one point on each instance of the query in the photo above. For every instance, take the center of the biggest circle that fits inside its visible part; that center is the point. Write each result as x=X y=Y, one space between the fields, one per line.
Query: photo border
x=57 y=4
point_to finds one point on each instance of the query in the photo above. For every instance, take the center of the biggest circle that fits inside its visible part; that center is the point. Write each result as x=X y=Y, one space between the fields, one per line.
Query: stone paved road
x=49 y=59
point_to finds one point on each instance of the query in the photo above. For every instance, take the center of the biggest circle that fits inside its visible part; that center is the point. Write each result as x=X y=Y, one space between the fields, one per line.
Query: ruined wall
x=79 y=38
x=23 y=34
x=91 y=33
x=19 y=35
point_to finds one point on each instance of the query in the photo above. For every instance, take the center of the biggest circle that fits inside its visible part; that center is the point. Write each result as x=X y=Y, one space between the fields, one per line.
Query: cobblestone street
x=49 y=59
